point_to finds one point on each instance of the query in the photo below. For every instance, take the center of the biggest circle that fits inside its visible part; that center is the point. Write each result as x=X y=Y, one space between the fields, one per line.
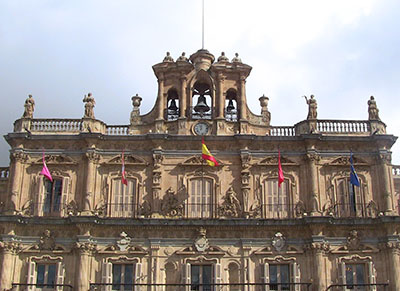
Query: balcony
x=41 y=287
x=359 y=287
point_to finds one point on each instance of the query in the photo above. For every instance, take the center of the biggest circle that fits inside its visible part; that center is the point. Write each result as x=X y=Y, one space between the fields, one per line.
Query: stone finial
x=236 y=59
x=29 y=107
x=373 y=111
x=135 y=114
x=266 y=115
x=182 y=58
x=89 y=105
x=168 y=58
x=222 y=58
x=312 y=107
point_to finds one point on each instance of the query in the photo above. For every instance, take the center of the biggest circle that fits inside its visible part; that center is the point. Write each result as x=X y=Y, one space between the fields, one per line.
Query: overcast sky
x=340 y=51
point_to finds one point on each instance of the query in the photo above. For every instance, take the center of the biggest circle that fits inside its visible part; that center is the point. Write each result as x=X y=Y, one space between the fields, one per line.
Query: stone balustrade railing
x=343 y=126
x=117 y=129
x=4 y=172
x=56 y=125
x=282 y=131
x=396 y=170
x=76 y=126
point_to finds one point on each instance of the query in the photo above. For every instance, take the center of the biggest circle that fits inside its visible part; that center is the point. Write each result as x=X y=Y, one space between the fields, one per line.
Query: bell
x=172 y=106
x=230 y=106
x=201 y=106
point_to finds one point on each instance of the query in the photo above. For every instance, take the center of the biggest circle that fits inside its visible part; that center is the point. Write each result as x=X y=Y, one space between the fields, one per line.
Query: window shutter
x=342 y=274
x=217 y=276
x=138 y=276
x=129 y=198
x=39 y=196
x=64 y=197
x=106 y=275
x=60 y=276
x=371 y=274
x=265 y=276
x=31 y=275
x=296 y=276
x=186 y=276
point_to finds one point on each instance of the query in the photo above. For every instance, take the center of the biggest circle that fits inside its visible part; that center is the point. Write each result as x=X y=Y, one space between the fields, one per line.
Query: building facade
x=179 y=224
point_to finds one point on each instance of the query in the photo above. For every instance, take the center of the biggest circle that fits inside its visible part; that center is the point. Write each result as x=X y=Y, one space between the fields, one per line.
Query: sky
x=341 y=51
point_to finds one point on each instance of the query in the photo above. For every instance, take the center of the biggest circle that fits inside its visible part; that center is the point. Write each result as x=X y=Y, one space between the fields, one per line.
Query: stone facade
x=179 y=221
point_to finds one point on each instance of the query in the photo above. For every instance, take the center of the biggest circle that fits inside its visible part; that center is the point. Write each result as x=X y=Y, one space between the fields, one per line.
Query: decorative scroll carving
x=231 y=205
x=278 y=242
x=273 y=160
x=193 y=161
x=157 y=158
x=56 y=159
x=353 y=241
x=19 y=157
x=201 y=243
x=71 y=208
x=345 y=161
x=13 y=247
x=47 y=241
x=123 y=242
x=88 y=248
x=320 y=247
x=170 y=205
x=93 y=156
x=128 y=159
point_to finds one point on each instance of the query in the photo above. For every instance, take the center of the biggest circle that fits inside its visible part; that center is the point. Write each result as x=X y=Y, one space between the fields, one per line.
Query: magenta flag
x=281 y=178
x=123 y=173
x=45 y=171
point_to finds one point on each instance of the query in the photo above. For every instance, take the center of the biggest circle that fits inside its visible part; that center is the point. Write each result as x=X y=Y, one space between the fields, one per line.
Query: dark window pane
x=116 y=278
x=360 y=274
x=51 y=275
x=195 y=277
x=40 y=274
x=207 y=277
x=128 y=277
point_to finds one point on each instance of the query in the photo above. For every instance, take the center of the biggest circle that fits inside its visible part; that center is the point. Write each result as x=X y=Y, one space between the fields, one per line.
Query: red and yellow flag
x=207 y=156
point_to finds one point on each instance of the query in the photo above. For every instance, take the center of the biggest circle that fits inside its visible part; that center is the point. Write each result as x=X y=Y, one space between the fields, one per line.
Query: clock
x=201 y=128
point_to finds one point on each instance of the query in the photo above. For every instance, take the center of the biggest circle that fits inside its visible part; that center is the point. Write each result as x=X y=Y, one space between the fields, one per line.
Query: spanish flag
x=207 y=156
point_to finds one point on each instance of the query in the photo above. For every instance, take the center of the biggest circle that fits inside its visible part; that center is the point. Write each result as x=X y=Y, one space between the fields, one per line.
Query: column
x=18 y=159
x=221 y=99
x=318 y=251
x=243 y=103
x=82 y=275
x=154 y=265
x=182 y=103
x=10 y=249
x=385 y=169
x=92 y=158
x=394 y=265
x=160 y=115
x=312 y=159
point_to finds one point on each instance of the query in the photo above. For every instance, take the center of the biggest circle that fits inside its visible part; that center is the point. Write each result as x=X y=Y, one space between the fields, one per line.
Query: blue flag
x=353 y=175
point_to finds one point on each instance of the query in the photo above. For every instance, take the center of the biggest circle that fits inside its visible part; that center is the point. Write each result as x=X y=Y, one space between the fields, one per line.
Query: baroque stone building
x=179 y=224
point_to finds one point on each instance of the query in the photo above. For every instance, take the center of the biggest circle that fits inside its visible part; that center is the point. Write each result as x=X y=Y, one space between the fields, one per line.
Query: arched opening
x=231 y=109
x=170 y=276
x=172 y=111
x=203 y=104
x=233 y=273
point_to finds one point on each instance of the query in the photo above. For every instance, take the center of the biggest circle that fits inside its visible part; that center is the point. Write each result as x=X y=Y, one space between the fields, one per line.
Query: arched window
x=172 y=104
x=233 y=273
x=349 y=199
x=123 y=198
x=199 y=202
x=231 y=109
x=277 y=202
x=202 y=107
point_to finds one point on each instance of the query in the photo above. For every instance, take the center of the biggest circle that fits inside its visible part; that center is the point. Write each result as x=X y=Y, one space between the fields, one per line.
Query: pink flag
x=280 y=172
x=123 y=174
x=45 y=171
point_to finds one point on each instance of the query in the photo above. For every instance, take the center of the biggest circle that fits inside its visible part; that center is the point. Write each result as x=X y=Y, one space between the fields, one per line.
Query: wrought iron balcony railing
x=41 y=287
x=202 y=287
x=359 y=287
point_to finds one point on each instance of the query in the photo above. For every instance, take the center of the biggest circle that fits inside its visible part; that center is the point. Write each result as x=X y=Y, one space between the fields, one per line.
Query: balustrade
x=117 y=129
x=282 y=131
x=56 y=125
x=4 y=172
x=343 y=126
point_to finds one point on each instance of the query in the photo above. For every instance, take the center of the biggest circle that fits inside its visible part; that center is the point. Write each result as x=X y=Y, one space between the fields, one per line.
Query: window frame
x=271 y=210
x=198 y=206
x=123 y=209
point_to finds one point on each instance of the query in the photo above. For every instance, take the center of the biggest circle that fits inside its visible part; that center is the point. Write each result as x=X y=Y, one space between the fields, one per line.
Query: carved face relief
x=278 y=242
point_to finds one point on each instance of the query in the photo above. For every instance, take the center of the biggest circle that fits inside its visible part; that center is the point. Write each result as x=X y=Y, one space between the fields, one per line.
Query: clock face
x=201 y=128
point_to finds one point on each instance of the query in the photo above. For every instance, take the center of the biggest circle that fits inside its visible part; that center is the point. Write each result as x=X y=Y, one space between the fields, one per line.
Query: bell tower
x=199 y=90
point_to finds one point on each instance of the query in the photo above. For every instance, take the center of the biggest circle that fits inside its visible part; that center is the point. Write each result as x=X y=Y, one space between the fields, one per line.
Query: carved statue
x=168 y=58
x=182 y=58
x=222 y=58
x=231 y=205
x=373 y=111
x=236 y=59
x=29 y=107
x=312 y=107
x=89 y=105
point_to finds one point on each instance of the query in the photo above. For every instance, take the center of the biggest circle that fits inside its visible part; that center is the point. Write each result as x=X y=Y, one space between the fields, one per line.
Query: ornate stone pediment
x=129 y=160
x=273 y=160
x=56 y=159
x=345 y=161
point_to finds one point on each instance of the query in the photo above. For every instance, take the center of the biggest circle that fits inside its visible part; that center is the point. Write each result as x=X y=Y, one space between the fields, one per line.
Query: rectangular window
x=349 y=199
x=122 y=277
x=355 y=274
x=52 y=196
x=46 y=276
x=279 y=277
x=276 y=199
x=123 y=200
x=200 y=197
x=201 y=277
